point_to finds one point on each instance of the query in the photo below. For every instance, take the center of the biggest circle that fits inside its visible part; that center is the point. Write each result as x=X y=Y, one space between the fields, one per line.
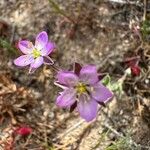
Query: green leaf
x=145 y=28
x=106 y=80
x=116 y=87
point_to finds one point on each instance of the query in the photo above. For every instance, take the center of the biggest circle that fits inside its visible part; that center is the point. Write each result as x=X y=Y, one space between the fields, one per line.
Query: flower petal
x=88 y=74
x=25 y=46
x=47 y=49
x=37 y=62
x=101 y=93
x=87 y=108
x=67 y=78
x=67 y=98
x=41 y=40
x=23 y=60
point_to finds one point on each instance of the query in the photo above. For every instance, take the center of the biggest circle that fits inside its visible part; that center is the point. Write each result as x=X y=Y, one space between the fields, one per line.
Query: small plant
x=122 y=144
x=5 y=44
x=145 y=28
x=82 y=86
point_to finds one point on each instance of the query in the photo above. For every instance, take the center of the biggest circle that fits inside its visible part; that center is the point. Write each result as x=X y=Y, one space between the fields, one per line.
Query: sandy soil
x=103 y=37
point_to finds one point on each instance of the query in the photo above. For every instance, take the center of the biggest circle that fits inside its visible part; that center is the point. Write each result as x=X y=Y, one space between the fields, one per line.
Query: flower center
x=36 y=53
x=81 y=88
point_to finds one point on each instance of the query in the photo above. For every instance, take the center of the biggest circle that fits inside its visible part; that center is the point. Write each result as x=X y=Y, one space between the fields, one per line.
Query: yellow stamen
x=81 y=88
x=36 y=53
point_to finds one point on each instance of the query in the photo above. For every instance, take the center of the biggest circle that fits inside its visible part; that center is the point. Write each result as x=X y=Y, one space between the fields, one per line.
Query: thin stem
x=145 y=11
x=113 y=130
x=60 y=11
x=55 y=68
x=75 y=126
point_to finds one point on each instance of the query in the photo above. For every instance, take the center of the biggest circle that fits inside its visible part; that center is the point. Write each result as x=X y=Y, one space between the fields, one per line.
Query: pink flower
x=24 y=131
x=35 y=55
x=82 y=89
